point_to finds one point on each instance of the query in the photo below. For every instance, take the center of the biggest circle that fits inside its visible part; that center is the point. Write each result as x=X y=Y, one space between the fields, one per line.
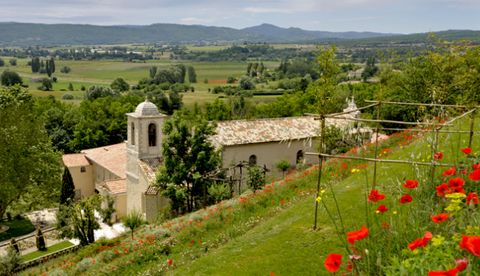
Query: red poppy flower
x=420 y=242
x=472 y=197
x=456 y=182
x=475 y=175
x=406 y=199
x=333 y=262
x=449 y=172
x=461 y=266
x=411 y=184
x=170 y=262
x=438 y=155
x=272 y=274
x=476 y=166
x=354 y=236
x=382 y=208
x=349 y=266
x=440 y=218
x=467 y=150
x=471 y=244
x=375 y=196
x=451 y=272
x=442 y=189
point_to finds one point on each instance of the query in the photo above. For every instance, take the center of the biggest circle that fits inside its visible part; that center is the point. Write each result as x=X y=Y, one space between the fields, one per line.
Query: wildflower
x=355 y=170
x=467 y=150
x=420 y=242
x=476 y=166
x=382 y=209
x=406 y=199
x=437 y=240
x=440 y=218
x=411 y=184
x=438 y=155
x=461 y=264
x=375 y=196
x=449 y=172
x=272 y=274
x=471 y=244
x=243 y=200
x=442 y=189
x=170 y=262
x=472 y=197
x=475 y=175
x=456 y=183
x=354 y=236
x=385 y=225
x=456 y=195
x=333 y=262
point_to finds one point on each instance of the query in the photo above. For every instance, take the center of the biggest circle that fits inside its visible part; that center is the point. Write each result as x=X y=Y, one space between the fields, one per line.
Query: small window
x=132 y=134
x=152 y=135
x=83 y=169
x=299 y=157
x=252 y=160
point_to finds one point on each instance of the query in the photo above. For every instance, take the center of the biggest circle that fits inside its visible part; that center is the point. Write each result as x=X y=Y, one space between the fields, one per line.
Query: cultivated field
x=103 y=72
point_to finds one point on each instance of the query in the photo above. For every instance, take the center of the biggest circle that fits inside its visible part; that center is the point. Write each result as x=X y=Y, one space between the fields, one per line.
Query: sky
x=388 y=16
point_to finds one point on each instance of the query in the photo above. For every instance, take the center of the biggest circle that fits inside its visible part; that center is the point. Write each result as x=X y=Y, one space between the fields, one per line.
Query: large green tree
x=28 y=163
x=189 y=161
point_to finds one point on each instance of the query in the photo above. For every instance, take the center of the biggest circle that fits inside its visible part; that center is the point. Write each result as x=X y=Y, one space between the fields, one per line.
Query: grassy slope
x=50 y=249
x=286 y=244
x=266 y=237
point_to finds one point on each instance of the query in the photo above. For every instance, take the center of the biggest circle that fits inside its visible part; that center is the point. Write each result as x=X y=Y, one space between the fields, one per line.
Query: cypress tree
x=68 y=188
x=40 y=240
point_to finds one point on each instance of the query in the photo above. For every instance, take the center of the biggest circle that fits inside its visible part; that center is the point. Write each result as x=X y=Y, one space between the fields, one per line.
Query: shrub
x=83 y=265
x=9 y=78
x=9 y=262
x=2 y=62
x=67 y=96
x=13 y=62
x=46 y=85
x=219 y=192
x=133 y=220
x=65 y=70
x=283 y=166
x=256 y=178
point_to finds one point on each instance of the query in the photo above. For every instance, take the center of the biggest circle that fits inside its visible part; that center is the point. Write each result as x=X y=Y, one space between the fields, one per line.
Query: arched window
x=132 y=134
x=152 y=135
x=252 y=160
x=299 y=157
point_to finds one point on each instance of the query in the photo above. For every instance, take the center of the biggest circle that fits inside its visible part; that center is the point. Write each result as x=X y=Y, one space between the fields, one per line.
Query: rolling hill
x=28 y=34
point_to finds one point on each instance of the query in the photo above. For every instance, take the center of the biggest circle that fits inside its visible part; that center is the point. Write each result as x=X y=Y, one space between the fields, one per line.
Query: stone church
x=126 y=171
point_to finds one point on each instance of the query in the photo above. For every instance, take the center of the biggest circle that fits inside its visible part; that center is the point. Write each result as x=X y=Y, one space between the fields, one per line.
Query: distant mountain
x=275 y=33
x=25 y=34
x=32 y=34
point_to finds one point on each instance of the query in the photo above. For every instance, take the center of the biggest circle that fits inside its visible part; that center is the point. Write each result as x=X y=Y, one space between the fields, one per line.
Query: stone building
x=126 y=171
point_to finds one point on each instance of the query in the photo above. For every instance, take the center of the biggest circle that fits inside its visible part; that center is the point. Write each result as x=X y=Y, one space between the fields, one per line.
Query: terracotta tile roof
x=112 y=158
x=75 y=160
x=149 y=167
x=237 y=132
x=117 y=186
x=152 y=190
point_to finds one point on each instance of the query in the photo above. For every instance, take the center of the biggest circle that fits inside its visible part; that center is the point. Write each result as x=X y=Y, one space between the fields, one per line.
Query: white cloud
x=195 y=21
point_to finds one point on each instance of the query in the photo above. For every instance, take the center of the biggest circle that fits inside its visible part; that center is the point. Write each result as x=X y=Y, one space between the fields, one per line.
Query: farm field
x=103 y=72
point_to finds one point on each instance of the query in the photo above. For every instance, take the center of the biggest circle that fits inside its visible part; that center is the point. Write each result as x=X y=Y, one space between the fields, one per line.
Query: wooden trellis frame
x=434 y=127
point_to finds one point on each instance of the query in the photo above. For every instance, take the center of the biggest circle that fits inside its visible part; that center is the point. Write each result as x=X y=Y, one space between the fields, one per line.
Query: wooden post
x=377 y=129
x=472 y=126
x=320 y=168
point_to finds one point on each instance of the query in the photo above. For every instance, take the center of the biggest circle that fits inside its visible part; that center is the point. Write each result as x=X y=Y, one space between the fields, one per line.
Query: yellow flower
x=438 y=240
x=319 y=198
x=394 y=212
x=455 y=195
x=355 y=170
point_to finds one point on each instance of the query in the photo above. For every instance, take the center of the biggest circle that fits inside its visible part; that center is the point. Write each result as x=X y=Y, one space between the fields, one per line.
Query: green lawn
x=50 y=249
x=17 y=227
